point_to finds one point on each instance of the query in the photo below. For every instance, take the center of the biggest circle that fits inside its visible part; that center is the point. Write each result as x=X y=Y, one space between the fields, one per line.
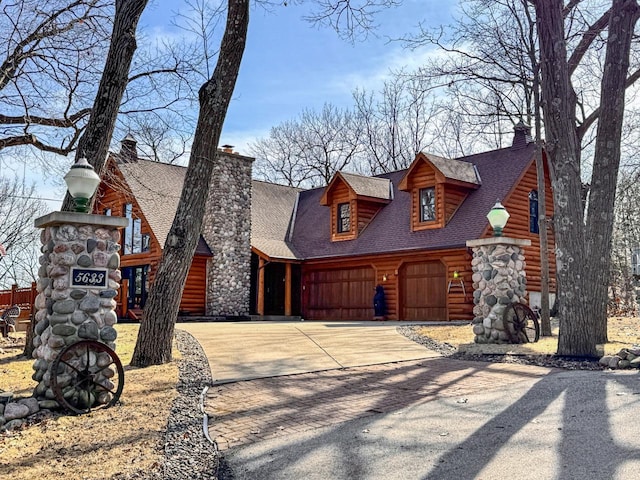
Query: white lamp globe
x=498 y=217
x=82 y=182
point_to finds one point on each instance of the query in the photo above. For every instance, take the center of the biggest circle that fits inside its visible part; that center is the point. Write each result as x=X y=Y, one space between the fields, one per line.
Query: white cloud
x=373 y=78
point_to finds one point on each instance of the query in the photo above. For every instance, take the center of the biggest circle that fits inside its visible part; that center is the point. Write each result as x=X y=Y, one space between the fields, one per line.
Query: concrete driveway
x=401 y=412
x=250 y=350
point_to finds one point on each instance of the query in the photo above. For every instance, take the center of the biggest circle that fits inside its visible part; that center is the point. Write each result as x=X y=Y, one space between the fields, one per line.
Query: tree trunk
x=545 y=321
x=94 y=144
x=558 y=104
x=604 y=180
x=31 y=332
x=154 y=341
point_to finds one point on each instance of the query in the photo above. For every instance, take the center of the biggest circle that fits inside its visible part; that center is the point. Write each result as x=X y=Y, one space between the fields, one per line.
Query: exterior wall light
x=82 y=183
x=498 y=217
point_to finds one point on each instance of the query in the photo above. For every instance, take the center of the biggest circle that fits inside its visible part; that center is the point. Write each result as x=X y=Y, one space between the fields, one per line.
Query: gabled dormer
x=354 y=200
x=438 y=186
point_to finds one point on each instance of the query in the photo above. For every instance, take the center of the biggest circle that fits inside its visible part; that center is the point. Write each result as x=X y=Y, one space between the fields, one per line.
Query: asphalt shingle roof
x=289 y=223
x=455 y=169
x=157 y=187
x=272 y=208
x=375 y=187
x=390 y=229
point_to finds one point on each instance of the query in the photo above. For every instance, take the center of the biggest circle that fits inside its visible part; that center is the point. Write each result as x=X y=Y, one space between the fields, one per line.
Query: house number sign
x=89 y=277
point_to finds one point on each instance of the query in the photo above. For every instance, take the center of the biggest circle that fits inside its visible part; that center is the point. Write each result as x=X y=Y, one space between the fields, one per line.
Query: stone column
x=499 y=279
x=79 y=278
x=227 y=231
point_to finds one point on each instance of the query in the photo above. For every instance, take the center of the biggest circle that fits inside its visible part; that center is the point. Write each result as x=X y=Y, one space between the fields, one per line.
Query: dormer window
x=354 y=201
x=438 y=186
x=427 y=204
x=344 y=218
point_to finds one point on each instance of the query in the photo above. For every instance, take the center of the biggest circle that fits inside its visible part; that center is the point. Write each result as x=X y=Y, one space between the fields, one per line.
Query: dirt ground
x=125 y=440
x=117 y=442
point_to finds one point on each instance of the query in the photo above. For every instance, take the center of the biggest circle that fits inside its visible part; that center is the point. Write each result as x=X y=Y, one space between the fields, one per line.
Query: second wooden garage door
x=424 y=293
x=345 y=294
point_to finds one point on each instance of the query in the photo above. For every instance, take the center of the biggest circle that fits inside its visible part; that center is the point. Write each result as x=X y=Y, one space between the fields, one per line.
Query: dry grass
x=623 y=332
x=117 y=441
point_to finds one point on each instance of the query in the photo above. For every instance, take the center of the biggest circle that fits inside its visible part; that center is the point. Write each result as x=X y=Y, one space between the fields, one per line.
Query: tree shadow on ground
x=580 y=433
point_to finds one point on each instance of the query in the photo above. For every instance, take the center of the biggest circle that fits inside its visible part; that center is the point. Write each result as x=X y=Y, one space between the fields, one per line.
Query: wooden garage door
x=345 y=294
x=424 y=294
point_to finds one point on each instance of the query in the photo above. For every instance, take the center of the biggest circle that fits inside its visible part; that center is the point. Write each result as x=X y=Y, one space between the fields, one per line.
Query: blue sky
x=289 y=65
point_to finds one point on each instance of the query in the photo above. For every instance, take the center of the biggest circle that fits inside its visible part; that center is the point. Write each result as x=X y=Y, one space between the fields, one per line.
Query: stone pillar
x=79 y=278
x=499 y=279
x=227 y=231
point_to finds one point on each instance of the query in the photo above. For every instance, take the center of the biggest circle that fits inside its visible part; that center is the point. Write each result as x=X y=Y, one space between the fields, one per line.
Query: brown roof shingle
x=390 y=229
x=374 y=187
x=289 y=223
x=272 y=209
x=157 y=187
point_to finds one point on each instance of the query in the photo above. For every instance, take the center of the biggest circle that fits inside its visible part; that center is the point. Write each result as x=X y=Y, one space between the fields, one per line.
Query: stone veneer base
x=499 y=278
x=66 y=314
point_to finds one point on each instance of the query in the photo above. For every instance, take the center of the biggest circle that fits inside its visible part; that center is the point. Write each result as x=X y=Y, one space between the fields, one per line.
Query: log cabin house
x=320 y=253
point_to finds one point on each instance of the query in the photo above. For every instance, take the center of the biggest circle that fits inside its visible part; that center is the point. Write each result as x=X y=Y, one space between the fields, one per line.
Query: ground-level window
x=344 y=217
x=138 y=278
x=533 y=211
x=427 y=204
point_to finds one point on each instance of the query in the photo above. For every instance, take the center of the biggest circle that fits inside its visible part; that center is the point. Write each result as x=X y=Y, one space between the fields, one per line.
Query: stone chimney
x=227 y=231
x=522 y=135
x=128 y=149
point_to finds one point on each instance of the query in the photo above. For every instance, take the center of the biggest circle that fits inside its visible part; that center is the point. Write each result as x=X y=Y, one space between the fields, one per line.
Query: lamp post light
x=498 y=217
x=82 y=182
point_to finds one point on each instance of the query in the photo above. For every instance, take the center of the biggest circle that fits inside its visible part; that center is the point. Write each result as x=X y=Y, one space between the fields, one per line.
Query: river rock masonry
x=499 y=279
x=79 y=280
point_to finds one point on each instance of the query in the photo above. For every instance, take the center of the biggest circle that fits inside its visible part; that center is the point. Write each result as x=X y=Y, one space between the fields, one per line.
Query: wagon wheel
x=87 y=375
x=521 y=323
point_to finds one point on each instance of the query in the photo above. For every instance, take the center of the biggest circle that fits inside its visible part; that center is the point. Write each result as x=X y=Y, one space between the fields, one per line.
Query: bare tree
x=153 y=345
x=395 y=123
x=154 y=341
x=19 y=207
x=94 y=143
x=583 y=251
x=52 y=66
x=351 y=19
x=158 y=137
x=57 y=43
x=486 y=66
x=309 y=150
x=383 y=133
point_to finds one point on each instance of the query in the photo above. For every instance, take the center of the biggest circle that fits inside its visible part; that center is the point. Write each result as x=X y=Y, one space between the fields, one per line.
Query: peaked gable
x=374 y=188
x=446 y=169
x=157 y=188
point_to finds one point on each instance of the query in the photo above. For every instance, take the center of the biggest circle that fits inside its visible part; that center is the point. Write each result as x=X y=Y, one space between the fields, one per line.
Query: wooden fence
x=24 y=298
